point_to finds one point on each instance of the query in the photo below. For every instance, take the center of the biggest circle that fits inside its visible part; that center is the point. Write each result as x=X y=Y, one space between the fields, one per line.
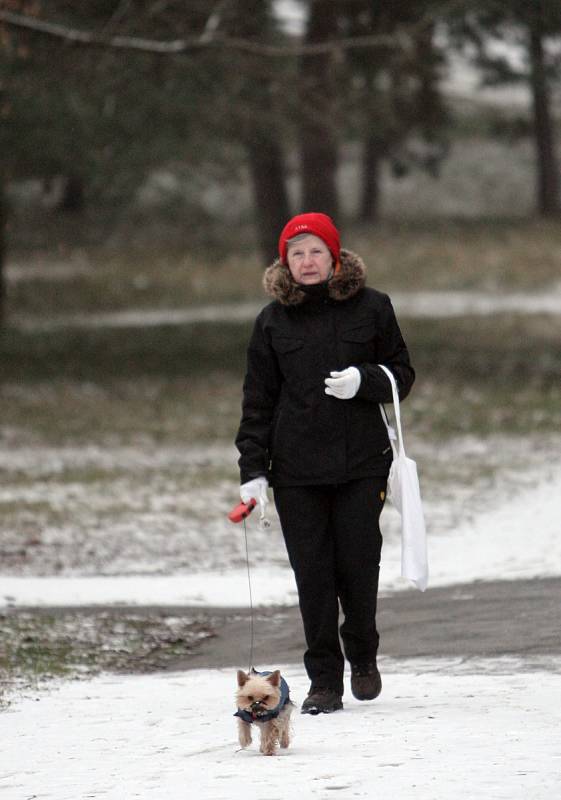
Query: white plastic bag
x=405 y=495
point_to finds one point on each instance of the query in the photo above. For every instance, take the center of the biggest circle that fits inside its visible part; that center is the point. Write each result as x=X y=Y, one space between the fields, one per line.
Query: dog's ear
x=274 y=678
x=242 y=678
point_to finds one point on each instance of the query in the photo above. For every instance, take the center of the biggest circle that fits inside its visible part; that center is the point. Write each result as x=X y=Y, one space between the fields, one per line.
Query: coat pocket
x=359 y=343
x=363 y=332
x=286 y=344
x=289 y=356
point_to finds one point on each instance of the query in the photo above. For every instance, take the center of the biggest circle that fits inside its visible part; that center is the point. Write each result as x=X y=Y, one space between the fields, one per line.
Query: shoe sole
x=314 y=710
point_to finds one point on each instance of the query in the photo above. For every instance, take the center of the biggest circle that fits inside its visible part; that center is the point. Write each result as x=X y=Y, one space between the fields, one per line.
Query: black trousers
x=333 y=540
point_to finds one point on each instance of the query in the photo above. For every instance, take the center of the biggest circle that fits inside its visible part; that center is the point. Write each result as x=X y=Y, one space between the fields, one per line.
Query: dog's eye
x=265 y=698
x=250 y=697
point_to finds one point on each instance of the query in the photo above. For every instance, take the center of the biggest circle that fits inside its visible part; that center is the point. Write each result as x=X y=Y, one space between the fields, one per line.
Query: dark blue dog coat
x=248 y=716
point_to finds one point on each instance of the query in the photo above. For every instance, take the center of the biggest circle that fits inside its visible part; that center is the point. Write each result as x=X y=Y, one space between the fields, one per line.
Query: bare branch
x=83 y=37
x=174 y=46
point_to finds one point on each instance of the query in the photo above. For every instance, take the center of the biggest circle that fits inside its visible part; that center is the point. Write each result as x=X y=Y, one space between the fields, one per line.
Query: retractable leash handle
x=242 y=510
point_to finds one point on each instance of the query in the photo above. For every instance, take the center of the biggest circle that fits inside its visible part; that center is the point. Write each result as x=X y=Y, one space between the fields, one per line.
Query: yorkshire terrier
x=263 y=698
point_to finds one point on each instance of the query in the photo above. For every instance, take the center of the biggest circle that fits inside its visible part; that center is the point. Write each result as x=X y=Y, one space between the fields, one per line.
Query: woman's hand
x=343 y=385
x=256 y=489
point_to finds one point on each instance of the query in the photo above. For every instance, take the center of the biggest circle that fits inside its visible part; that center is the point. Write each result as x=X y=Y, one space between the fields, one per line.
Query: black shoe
x=366 y=683
x=321 y=700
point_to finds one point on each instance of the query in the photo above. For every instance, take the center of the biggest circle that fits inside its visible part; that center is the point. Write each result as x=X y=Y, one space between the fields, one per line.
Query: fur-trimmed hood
x=279 y=283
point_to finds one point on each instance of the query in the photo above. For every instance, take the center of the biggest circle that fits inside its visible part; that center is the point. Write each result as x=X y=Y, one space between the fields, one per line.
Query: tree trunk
x=3 y=219
x=73 y=197
x=547 y=164
x=318 y=114
x=255 y=123
x=272 y=211
x=370 y=195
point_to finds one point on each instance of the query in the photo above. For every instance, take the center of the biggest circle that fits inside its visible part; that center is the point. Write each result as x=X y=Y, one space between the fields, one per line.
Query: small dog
x=263 y=698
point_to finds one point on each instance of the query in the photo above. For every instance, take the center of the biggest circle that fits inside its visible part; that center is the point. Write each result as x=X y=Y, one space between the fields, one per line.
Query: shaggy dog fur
x=257 y=696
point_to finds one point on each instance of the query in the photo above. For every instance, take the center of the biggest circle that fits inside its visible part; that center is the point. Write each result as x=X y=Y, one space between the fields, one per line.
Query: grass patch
x=496 y=255
x=487 y=350
x=93 y=354
x=97 y=280
x=183 y=383
x=38 y=646
x=111 y=412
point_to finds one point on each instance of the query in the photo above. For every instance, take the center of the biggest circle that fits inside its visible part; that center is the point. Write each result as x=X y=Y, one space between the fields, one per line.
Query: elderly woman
x=311 y=428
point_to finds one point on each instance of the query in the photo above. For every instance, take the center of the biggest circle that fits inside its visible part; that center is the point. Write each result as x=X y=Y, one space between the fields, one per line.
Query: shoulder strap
x=395 y=409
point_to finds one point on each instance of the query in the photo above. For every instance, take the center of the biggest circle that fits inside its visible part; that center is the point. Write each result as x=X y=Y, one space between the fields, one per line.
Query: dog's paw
x=244 y=734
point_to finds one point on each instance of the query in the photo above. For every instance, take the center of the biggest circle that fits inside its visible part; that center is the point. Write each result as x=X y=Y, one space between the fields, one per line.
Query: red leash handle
x=242 y=510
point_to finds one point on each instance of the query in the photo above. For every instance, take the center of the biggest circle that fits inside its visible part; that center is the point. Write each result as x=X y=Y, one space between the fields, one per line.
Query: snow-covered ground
x=441 y=729
x=138 y=534
x=521 y=538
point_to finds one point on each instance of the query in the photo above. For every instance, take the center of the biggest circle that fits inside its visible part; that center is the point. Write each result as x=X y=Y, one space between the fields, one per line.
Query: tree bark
x=547 y=163
x=266 y=165
x=255 y=126
x=318 y=115
x=3 y=219
x=73 y=197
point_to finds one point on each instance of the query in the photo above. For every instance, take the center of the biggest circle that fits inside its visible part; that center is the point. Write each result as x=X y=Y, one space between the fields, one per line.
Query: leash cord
x=250 y=600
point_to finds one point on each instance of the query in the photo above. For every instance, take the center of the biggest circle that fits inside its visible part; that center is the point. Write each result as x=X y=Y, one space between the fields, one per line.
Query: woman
x=311 y=428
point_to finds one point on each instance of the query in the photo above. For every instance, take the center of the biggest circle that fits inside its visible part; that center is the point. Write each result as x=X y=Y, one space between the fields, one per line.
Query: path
x=490 y=619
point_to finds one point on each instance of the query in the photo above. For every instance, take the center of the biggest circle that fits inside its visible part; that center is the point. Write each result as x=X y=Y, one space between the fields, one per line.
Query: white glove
x=257 y=489
x=343 y=385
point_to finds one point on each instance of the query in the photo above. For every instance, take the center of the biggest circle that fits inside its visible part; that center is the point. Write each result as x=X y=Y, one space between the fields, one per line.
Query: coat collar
x=279 y=283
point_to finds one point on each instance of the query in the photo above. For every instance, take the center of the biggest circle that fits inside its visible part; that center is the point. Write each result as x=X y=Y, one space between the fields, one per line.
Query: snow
x=461 y=303
x=440 y=729
x=219 y=589
x=519 y=538
x=291 y=14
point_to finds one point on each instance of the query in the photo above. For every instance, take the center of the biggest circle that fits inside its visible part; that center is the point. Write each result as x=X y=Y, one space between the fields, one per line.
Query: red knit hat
x=316 y=224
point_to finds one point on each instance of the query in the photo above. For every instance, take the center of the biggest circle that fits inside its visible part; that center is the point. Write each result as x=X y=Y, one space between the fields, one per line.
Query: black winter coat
x=291 y=431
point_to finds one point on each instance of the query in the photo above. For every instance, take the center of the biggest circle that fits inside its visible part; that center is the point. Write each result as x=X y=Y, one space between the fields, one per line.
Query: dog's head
x=258 y=694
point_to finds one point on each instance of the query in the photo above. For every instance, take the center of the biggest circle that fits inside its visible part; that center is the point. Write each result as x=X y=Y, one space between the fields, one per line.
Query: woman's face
x=309 y=260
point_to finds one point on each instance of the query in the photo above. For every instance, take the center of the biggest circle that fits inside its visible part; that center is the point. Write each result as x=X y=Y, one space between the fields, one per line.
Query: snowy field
x=441 y=729
x=519 y=538
x=172 y=546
